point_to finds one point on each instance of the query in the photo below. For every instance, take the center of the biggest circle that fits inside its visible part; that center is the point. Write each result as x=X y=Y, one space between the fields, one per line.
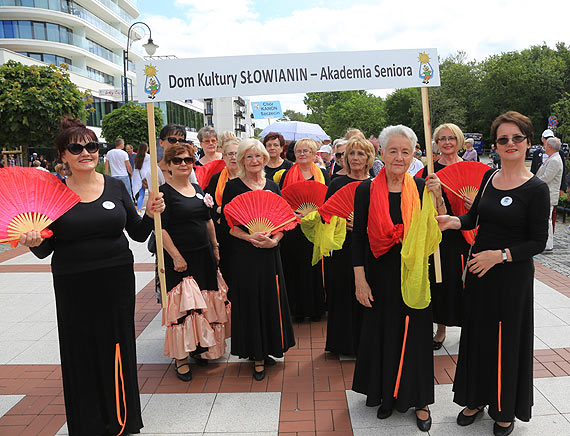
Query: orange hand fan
x=340 y=204
x=204 y=173
x=31 y=199
x=305 y=197
x=260 y=211
x=462 y=179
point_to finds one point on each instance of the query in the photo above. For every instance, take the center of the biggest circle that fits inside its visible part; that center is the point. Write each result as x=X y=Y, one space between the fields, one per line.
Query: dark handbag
x=151 y=245
x=464 y=275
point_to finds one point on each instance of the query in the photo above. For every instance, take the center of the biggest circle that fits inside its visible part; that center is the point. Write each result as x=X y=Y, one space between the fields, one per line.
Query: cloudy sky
x=200 y=28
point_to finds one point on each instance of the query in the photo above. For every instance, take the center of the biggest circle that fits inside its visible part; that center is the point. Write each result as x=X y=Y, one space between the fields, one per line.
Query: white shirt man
x=415 y=166
x=117 y=161
x=550 y=172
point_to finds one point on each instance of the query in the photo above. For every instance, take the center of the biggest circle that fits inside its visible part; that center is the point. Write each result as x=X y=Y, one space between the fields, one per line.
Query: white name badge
x=506 y=201
x=108 y=205
x=199 y=196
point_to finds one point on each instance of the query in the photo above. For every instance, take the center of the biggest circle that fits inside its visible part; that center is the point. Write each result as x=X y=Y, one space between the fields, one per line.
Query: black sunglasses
x=517 y=139
x=339 y=155
x=178 y=160
x=76 y=148
x=173 y=140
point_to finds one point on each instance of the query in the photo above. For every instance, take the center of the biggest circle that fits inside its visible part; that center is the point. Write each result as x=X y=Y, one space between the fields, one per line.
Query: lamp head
x=150 y=47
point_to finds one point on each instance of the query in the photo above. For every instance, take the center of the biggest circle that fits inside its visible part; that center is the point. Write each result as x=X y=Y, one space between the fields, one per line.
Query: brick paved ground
x=312 y=387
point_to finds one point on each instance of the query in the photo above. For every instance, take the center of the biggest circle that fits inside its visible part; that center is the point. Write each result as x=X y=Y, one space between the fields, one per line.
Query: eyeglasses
x=300 y=152
x=76 y=148
x=253 y=156
x=172 y=140
x=447 y=138
x=178 y=160
x=517 y=139
x=209 y=141
x=339 y=155
x=230 y=155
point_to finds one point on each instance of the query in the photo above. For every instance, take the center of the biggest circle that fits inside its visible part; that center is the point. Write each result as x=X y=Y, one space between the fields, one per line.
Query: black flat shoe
x=503 y=431
x=438 y=344
x=187 y=376
x=424 y=424
x=270 y=361
x=464 y=420
x=299 y=318
x=259 y=375
x=316 y=318
x=199 y=361
x=383 y=413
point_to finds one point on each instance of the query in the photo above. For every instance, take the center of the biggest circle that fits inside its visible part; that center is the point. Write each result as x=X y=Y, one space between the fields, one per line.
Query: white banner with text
x=180 y=79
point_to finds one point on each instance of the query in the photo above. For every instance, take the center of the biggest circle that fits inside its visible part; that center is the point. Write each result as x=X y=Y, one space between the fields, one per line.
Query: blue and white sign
x=266 y=109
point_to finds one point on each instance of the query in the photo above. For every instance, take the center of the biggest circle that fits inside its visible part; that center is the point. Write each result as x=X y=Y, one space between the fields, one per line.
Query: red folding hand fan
x=31 y=199
x=204 y=173
x=462 y=179
x=260 y=211
x=305 y=197
x=340 y=204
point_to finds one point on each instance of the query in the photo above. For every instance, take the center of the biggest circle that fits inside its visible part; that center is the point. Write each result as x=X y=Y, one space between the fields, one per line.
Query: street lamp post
x=150 y=48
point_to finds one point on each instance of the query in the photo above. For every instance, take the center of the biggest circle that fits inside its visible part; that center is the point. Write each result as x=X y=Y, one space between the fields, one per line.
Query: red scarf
x=382 y=232
x=295 y=175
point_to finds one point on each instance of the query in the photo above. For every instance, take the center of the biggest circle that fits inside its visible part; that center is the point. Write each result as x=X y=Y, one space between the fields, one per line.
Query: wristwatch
x=505 y=258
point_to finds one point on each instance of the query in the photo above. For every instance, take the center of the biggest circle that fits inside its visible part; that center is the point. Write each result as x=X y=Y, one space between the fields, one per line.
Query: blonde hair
x=350 y=133
x=311 y=143
x=229 y=142
x=227 y=136
x=363 y=144
x=245 y=146
x=456 y=132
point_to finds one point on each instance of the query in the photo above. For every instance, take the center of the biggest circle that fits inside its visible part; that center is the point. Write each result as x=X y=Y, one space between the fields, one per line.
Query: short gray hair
x=246 y=145
x=554 y=143
x=338 y=142
x=470 y=141
x=399 y=130
x=206 y=132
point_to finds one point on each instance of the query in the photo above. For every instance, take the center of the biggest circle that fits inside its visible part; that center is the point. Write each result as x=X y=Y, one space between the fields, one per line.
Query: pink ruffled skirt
x=206 y=323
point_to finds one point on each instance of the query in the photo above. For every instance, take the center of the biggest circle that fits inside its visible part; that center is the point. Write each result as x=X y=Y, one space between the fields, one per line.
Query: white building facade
x=231 y=114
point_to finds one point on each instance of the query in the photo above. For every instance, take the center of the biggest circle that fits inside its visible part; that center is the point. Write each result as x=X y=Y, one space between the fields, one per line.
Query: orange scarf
x=382 y=232
x=221 y=185
x=295 y=175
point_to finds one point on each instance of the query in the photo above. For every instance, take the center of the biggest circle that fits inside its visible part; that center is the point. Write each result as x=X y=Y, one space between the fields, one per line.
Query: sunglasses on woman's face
x=76 y=148
x=179 y=160
x=172 y=140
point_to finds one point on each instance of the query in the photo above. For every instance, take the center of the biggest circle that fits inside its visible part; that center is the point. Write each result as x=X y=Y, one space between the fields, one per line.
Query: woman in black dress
x=274 y=144
x=191 y=253
x=447 y=296
x=495 y=353
x=94 y=285
x=304 y=282
x=386 y=375
x=216 y=189
x=344 y=311
x=261 y=323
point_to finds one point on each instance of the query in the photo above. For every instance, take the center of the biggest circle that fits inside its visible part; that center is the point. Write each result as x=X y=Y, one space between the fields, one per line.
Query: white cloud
x=234 y=27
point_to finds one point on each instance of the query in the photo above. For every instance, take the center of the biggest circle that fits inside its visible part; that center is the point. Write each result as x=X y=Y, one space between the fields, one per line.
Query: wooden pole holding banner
x=154 y=183
x=429 y=154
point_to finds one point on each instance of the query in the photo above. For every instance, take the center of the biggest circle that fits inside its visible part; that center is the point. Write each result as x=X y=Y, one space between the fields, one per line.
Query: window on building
x=100 y=76
x=25 y=29
x=39 y=30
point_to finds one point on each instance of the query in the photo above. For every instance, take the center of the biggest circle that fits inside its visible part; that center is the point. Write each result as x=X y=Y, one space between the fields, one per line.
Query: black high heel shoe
x=424 y=424
x=464 y=420
x=499 y=430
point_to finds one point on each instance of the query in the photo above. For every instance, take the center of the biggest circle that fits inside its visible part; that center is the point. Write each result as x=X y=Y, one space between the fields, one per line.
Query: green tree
x=33 y=100
x=562 y=110
x=319 y=102
x=291 y=115
x=130 y=123
x=357 y=110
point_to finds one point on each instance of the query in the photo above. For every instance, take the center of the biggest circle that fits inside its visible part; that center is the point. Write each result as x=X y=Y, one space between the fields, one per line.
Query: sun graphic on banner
x=150 y=70
x=152 y=84
x=423 y=58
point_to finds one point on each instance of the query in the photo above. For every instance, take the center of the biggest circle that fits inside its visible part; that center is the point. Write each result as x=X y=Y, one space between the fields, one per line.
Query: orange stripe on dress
x=323 y=274
x=119 y=375
x=499 y=366
x=399 y=377
x=280 y=316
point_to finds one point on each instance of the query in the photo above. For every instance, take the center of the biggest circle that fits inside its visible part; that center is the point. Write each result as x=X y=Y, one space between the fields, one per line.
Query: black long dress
x=94 y=285
x=502 y=299
x=304 y=282
x=222 y=235
x=383 y=325
x=344 y=317
x=261 y=321
x=447 y=297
